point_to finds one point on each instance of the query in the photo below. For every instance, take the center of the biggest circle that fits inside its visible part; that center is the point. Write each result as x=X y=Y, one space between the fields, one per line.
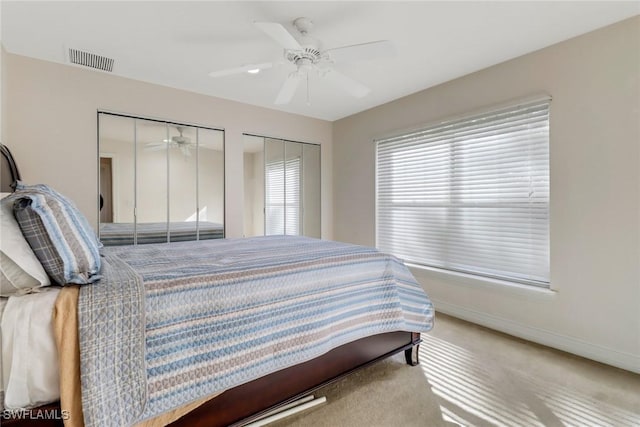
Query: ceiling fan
x=179 y=141
x=307 y=54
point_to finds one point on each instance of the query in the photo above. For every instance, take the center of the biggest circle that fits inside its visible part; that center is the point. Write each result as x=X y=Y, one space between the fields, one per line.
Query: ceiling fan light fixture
x=253 y=71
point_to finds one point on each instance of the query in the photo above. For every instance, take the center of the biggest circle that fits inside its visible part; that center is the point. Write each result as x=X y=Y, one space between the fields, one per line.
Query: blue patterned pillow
x=58 y=233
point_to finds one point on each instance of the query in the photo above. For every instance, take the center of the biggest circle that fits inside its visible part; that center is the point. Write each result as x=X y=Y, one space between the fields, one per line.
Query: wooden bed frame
x=9 y=170
x=247 y=402
x=243 y=404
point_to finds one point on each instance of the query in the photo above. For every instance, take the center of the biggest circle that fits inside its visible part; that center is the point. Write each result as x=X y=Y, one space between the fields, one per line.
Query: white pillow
x=20 y=270
x=29 y=354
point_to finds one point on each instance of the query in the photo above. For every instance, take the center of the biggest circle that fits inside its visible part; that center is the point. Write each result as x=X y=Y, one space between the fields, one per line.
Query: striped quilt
x=196 y=318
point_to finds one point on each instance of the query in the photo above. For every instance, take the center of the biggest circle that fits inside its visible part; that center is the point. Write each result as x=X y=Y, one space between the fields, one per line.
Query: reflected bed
x=121 y=233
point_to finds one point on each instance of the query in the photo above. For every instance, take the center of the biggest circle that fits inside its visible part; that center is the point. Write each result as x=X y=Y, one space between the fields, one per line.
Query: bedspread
x=111 y=333
x=173 y=323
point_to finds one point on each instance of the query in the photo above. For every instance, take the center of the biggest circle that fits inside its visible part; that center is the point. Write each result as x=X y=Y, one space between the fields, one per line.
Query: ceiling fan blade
x=239 y=70
x=155 y=146
x=353 y=87
x=280 y=34
x=357 y=52
x=288 y=89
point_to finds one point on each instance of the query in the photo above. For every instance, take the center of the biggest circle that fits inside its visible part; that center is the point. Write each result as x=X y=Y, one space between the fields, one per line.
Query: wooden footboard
x=246 y=402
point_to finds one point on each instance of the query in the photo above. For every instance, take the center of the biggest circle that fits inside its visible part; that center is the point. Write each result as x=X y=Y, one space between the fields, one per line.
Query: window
x=470 y=195
x=283 y=197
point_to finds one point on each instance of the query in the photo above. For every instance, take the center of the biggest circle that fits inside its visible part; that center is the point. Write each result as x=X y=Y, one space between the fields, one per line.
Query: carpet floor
x=473 y=376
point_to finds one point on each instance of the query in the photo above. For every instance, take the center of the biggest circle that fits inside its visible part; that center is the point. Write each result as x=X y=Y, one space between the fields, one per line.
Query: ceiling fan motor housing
x=311 y=52
x=180 y=139
x=310 y=55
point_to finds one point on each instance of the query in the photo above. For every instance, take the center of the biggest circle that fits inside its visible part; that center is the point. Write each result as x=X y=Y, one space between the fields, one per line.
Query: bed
x=121 y=233
x=156 y=294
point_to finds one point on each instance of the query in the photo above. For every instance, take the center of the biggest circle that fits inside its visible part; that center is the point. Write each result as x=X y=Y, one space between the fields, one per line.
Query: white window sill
x=472 y=280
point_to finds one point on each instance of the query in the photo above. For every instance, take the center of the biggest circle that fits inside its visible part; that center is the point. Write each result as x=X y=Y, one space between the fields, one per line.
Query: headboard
x=8 y=171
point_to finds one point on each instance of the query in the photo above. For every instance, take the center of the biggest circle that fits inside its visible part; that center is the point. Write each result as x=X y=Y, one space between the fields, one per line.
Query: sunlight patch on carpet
x=471 y=393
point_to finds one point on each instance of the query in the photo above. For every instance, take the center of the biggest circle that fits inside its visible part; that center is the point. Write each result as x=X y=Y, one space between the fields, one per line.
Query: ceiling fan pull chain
x=308 y=101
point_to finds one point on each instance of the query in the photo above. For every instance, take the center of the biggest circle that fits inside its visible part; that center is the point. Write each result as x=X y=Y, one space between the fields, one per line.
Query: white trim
x=474 y=280
x=609 y=356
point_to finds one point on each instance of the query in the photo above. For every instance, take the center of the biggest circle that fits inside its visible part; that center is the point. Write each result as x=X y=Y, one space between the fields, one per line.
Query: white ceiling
x=177 y=43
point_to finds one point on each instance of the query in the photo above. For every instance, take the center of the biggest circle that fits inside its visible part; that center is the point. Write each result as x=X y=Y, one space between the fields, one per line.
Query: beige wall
x=3 y=101
x=51 y=128
x=595 y=191
x=311 y=202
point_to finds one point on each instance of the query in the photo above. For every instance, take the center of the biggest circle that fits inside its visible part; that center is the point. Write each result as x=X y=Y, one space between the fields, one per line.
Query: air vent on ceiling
x=90 y=60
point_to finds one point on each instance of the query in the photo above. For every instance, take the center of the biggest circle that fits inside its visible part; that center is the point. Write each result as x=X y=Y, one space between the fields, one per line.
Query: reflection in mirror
x=274 y=187
x=183 y=165
x=152 y=167
x=159 y=181
x=282 y=187
x=292 y=183
x=210 y=212
x=117 y=177
x=311 y=190
x=253 y=185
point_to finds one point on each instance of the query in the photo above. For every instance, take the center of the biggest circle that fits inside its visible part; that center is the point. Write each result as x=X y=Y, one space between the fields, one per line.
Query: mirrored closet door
x=282 y=187
x=160 y=181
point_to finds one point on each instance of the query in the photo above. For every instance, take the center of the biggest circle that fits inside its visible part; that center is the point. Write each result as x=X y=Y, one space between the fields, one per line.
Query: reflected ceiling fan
x=180 y=141
x=308 y=55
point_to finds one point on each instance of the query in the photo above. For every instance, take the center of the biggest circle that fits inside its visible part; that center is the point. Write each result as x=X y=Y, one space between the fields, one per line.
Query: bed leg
x=411 y=355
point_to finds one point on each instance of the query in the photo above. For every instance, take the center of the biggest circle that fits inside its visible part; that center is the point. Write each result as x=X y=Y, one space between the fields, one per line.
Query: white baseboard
x=619 y=359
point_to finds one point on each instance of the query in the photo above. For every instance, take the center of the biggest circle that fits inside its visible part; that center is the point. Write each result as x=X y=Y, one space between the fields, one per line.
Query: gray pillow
x=58 y=233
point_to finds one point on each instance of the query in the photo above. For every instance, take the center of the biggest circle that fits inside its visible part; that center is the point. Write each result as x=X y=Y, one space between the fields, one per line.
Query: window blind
x=282 y=202
x=470 y=195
